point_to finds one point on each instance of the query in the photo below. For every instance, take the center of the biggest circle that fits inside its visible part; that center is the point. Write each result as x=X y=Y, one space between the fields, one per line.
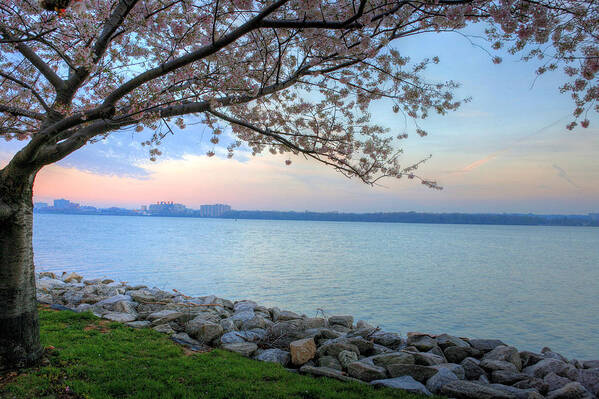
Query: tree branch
x=21 y=112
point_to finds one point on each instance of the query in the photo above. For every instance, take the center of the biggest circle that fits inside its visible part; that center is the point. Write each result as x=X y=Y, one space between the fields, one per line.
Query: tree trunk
x=19 y=326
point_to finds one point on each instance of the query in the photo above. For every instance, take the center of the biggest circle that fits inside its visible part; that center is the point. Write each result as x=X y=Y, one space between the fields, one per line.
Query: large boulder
x=445 y=341
x=457 y=369
x=590 y=364
x=387 y=339
x=345 y=321
x=485 y=345
x=419 y=373
x=274 y=356
x=473 y=390
x=472 y=368
x=347 y=357
x=427 y=359
x=555 y=381
x=573 y=390
x=589 y=378
x=366 y=372
x=493 y=365
x=505 y=353
x=393 y=358
x=233 y=337
x=71 y=278
x=331 y=362
x=405 y=383
x=517 y=392
x=203 y=330
x=544 y=367
x=302 y=350
x=120 y=317
x=455 y=354
x=334 y=348
x=442 y=377
x=325 y=372
x=422 y=342
x=507 y=377
x=50 y=284
x=530 y=358
x=246 y=349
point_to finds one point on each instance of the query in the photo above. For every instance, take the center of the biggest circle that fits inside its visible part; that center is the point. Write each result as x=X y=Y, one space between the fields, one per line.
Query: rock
x=232 y=337
x=285 y=315
x=544 y=367
x=530 y=358
x=555 y=381
x=94 y=281
x=445 y=341
x=347 y=357
x=142 y=296
x=245 y=348
x=483 y=379
x=442 y=377
x=274 y=356
x=393 y=358
x=203 y=330
x=49 y=284
x=590 y=364
x=364 y=347
x=56 y=306
x=339 y=328
x=139 y=324
x=427 y=359
x=47 y=275
x=165 y=315
x=366 y=372
x=535 y=383
x=313 y=322
x=437 y=351
x=485 y=345
x=244 y=306
x=388 y=339
x=44 y=297
x=473 y=390
x=108 y=302
x=589 y=378
x=125 y=307
x=518 y=393
x=84 y=307
x=227 y=325
x=334 y=348
x=507 y=377
x=573 y=390
x=164 y=328
x=302 y=350
x=331 y=362
x=345 y=321
x=455 y=354
x=570 y=372
x=363 y=324
x=505 y=353
x=325 y=372
x=419 y=373
x=492 y=365
x=405 y=383
x=472 y=368
x=380 y=349
x=120 y=317
x=423 y=343
x=576 y=363
x=456 y=369
x=72 y=277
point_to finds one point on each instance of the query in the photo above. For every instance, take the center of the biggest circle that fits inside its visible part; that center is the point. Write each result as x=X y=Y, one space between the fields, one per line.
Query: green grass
x=96 y=359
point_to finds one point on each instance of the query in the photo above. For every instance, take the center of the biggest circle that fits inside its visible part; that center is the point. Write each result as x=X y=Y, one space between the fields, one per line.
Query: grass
x=91 y=358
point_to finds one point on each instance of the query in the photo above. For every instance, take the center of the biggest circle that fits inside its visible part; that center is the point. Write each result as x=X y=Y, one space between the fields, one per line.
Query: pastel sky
x=506 y=151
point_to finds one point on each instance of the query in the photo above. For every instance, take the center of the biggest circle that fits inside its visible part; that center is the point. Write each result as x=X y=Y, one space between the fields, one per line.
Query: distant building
x=40 y=205
x=144 y=208
x=594 y=216
x=215 y=210
x=167 y=208
x=64 y=204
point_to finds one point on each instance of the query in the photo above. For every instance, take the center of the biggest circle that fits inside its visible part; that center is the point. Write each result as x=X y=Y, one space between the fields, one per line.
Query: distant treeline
x=416 y=217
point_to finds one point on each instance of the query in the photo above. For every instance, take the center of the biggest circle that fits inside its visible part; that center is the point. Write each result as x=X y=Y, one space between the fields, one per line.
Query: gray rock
x=455 y=354
x=589 y=378
x=529 y=358
x=204 y=331
x=326 y=372
x=232 y=337
x=244 y=348
x=405 y=383
x=274 y=356
x=286 y=315
x=164 y=328
x=331 y=362
x=507 y=377
x=50 y=284
x=366 y=372
x=227 y=325
x=492 y=365
x=165 y=315
x=73 y=297
x=573 y=390
x=445 y=341
x=442 y=377
x=419 y=373
x=483 y=379
x=380 y=349
x=242 y=316
x=422 y=342
x=94 y=281
x=255 y=322
x=244 y=306
x=427 y=359
x=388 y=339
x=120 y=317
x=364 y=347
x=84 y=307
x=590 y=364
x=505 y=353
x=139 y=324
x=437 y=351
x=346 y=357
x=549 y=354
x=393 y=358
x=184 y=339
x=456 y=369
x=313 y=322
x=535 y=383
x=485 y=345
x=345 y=321
x=334 y=348
x=142 y=296
x=473 y=390
x=472 y=368
x=44 y=298
x=363 y=324
x=108 y=302
x=544 y=367
x=555 y=381
x=570 y=372
x=517 y=392
x=125 y=307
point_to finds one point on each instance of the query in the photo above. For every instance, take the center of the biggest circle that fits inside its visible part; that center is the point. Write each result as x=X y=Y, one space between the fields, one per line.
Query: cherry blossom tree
x=285 y=76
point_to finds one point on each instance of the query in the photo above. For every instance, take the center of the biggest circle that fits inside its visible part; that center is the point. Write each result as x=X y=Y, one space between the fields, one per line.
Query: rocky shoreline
x=332 y=346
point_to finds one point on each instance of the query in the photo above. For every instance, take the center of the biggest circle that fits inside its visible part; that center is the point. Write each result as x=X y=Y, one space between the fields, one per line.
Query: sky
x=505 y=151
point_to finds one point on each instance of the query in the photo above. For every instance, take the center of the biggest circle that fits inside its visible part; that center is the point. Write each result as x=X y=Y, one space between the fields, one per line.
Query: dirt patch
x=101 y=326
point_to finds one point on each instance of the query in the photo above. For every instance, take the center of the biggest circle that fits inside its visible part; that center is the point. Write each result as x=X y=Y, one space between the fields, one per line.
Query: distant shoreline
x=590 y=220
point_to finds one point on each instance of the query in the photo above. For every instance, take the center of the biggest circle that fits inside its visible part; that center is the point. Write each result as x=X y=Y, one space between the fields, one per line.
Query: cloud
x=562 y=174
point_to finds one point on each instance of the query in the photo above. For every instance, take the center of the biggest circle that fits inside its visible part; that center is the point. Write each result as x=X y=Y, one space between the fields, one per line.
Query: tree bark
x=19 y=326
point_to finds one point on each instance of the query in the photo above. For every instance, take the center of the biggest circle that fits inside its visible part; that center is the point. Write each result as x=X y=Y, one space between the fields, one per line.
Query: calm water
x=530 y=286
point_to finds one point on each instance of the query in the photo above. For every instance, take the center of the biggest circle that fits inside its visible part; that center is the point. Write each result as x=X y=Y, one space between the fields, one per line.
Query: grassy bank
x=91 y=358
